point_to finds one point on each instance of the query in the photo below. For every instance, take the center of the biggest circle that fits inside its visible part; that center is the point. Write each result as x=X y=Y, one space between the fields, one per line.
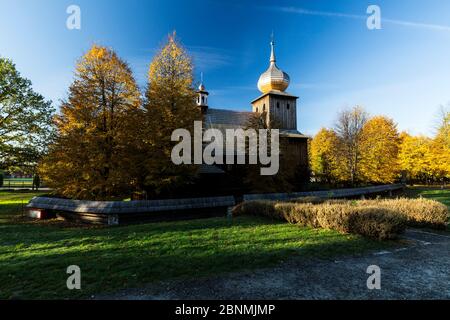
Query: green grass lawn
x=17 y=182
x=434 y=193
x=34 y=255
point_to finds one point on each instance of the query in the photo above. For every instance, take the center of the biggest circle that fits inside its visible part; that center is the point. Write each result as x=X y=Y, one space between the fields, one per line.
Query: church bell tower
x=280 y=106
x=202 y=96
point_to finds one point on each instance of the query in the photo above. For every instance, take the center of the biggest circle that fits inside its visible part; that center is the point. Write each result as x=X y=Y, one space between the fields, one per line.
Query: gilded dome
x=273 y=78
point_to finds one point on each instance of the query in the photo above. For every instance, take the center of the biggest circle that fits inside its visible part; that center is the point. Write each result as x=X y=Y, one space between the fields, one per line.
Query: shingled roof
x=228 y=119
x=221 y=118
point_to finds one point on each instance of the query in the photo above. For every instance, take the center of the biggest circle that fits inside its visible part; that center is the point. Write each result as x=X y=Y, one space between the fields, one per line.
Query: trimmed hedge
x=382 y=219
x=418 y=212
x=372 y=222
x=422 y=213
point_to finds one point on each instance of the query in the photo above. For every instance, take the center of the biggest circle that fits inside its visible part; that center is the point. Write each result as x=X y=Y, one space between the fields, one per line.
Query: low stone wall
x=110 y=212
x=335 y=193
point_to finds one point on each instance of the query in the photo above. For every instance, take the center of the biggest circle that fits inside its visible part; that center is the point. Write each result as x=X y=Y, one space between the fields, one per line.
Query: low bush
x=255 y=208
x=378 y=223
x=418 y=212
x=304 y=214
x=313 y=200
x=368 y=221
x=346 y=218
x=382 y=219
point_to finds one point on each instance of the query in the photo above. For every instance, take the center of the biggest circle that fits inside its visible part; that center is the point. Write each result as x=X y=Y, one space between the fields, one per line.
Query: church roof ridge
x=229 y=110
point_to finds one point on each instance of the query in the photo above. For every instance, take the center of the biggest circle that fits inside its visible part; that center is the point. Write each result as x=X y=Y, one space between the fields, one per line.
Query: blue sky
x=333 y=59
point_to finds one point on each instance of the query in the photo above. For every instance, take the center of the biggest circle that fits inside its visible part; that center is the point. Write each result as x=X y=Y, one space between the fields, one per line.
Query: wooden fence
x=335 y=193
x=115 y=212
x=111 y=212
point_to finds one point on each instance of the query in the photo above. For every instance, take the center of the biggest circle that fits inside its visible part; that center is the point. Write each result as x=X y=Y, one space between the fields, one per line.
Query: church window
x=264 y=107
x=278 y=105
x=288 y=106
x=203 y=99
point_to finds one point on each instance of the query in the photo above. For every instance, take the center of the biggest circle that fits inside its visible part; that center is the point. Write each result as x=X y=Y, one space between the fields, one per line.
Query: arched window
x=198 y=99
x=203 y=100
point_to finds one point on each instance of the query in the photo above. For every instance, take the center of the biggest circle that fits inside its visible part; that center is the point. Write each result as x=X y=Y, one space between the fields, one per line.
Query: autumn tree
x=285 y=178
x=170 y=104
x=25 y=119
x=440 y=150
x=348 y=129
x=379 y=151
x=414 y=157
x=323 y=156
x=97 y=131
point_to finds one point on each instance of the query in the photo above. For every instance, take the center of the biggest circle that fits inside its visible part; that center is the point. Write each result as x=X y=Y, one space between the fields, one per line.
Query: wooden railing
x=335 y=193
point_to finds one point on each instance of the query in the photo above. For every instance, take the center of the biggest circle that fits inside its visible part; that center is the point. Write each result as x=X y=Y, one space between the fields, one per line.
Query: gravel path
x=420 y=270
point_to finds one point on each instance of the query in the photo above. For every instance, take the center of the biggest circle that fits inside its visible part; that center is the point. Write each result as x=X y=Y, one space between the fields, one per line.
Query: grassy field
x=34 y=255
x=17 y=182
x=434 y=193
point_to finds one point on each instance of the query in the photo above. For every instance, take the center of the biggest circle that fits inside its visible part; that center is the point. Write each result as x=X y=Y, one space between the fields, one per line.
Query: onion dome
x=274 y=78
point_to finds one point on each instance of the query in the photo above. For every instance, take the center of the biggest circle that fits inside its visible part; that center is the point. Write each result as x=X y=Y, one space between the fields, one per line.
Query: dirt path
x=420 y=270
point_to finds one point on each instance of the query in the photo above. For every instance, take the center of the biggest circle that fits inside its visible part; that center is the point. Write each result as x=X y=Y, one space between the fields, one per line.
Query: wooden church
x=280 y=109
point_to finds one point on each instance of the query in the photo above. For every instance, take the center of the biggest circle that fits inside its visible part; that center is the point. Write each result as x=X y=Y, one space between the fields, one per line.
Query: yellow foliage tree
x=440 y=151
x=379 y=151
x=92 y=157
x=170 y=105
x=323 y=156
x=414 y=157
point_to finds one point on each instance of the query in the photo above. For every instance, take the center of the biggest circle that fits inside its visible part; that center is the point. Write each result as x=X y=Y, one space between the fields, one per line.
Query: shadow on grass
x=34 y=258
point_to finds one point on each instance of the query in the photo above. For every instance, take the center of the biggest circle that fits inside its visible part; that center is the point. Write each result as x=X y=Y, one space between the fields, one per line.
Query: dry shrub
x=341 y=201
x=382 y=219
x=255 y=208
x=304 y=214
x=313 y=200
x=369 y=221
x=346 y=217
x=378 y=223
x=418 y=212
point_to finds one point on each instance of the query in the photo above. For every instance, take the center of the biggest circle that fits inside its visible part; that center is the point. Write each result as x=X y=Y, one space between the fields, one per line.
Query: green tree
x=170 y=104
x=25 y=119
x=98 y=138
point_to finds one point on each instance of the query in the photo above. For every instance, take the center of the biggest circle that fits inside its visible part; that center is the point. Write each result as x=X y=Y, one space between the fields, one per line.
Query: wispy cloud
x=204 y=58
x=302 y=11
x=229 y=90
x=209 y=58
x=313 y=86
